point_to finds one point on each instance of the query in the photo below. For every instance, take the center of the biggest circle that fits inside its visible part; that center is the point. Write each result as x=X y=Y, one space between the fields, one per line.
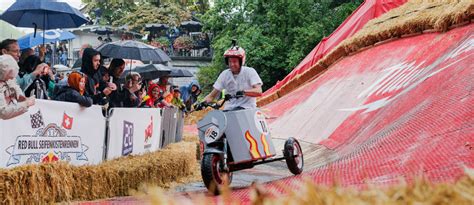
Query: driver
x=237 y=80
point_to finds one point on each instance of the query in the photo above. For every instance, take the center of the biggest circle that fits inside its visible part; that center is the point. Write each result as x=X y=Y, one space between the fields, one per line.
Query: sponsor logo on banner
x=48 y=144
x=148 y=134
x=127 y=145
x=405 y=76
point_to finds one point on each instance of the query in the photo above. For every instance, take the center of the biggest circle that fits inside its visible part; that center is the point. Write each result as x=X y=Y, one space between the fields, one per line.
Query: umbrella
x=123 y=28
x=132 y=63
x=191 y=26
x=179 y=73
x=133 y=50
x=29 y=41
x=103 y=31
x=150 y=71
x=43 y=14
x=61 y=68
x=156 y=27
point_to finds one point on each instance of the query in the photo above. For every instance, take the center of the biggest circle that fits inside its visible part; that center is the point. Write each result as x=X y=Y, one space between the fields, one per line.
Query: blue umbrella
x=43 y=14
x=29 y=41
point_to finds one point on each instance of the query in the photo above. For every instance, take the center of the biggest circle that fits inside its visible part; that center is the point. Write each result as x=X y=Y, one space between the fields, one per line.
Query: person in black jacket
x=90 y=66
x=125 y=95
x=75 y=90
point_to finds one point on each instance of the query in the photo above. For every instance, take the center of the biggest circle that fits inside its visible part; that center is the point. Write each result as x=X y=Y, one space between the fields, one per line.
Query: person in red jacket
x=155 y=97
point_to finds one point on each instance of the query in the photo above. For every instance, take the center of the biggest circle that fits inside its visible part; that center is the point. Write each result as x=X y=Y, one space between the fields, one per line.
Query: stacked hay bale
x=56 y=182
x=414 y=17
x=420 y=192
x=195 y=116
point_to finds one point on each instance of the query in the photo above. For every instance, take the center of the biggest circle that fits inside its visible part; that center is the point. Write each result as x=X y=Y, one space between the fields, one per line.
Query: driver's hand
x=240 y=93
x=200 y=106
x=227 y=97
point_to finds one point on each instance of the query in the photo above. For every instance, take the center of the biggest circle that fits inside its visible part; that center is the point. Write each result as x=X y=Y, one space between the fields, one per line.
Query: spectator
x=29 y=65
x=165 y=88
x=78 y=62
x=75 y=90
x=40 y=85
x=104 y=73
x=126 y=94
x=90 y=66
x=177 y=101
x=25 y=54
x=11 y=47
x=63 y=58
x=43 y=83
x=155 y=99
x=12 y=100
x=189 y=94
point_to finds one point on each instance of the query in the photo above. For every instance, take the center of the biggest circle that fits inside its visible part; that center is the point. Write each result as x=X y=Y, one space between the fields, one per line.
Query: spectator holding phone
x=126 y=95
x=41 y=84
x=90 y=66
x=155 y=99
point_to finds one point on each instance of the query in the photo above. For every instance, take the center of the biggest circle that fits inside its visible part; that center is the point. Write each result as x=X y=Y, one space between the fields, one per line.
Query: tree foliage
x=146 y=13
x=136 y=14
x=276 y=34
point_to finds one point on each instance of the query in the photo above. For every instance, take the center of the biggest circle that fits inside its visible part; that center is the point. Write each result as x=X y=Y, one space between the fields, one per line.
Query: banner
x=133 y=131
x=53 y=131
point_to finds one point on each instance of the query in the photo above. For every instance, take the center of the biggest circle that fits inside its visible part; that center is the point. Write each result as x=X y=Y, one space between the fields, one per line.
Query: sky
x=4 y=4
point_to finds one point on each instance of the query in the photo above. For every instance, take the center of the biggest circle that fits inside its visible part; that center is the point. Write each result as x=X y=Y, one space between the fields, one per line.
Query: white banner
x=53 y=131
x=133 y=131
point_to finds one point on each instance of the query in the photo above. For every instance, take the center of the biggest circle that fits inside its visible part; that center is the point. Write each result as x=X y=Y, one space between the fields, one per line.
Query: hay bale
x=288 y=87
x=267 y=99
x=312 y=73
x=418 y=191
x=56 y=182
x=195 y=116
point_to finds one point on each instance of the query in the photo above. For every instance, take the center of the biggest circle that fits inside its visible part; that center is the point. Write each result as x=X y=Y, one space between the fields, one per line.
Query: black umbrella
x=150 y=71
x=180 y=73
x=156 y=27
x=191 y=26
x=43 y=14
x=103 y=31
x=133 y=50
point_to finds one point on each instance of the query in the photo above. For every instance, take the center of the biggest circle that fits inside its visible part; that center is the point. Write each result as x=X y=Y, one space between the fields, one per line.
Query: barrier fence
x=60 y=131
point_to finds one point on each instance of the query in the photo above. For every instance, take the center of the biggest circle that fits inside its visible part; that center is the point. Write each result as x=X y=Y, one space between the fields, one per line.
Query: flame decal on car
x=253 y=146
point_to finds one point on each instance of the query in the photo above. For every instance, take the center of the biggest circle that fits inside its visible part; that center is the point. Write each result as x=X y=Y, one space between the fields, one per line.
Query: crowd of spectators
x=26 y=77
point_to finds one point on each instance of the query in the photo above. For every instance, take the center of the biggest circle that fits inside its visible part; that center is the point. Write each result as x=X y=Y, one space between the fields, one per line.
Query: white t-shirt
x=245 y=80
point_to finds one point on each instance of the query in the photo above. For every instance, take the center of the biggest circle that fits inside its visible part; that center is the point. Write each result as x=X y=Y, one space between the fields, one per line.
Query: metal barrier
x=179 y=126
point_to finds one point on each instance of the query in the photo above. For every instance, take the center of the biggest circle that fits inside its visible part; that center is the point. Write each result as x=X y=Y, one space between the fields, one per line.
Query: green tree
x=137 y=13
x=110 y=9
x=146 y=13
x=276 y=34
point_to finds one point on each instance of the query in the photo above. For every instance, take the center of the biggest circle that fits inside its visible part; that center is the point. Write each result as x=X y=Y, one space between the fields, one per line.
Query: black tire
x=212 y=173
x=294 y=156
